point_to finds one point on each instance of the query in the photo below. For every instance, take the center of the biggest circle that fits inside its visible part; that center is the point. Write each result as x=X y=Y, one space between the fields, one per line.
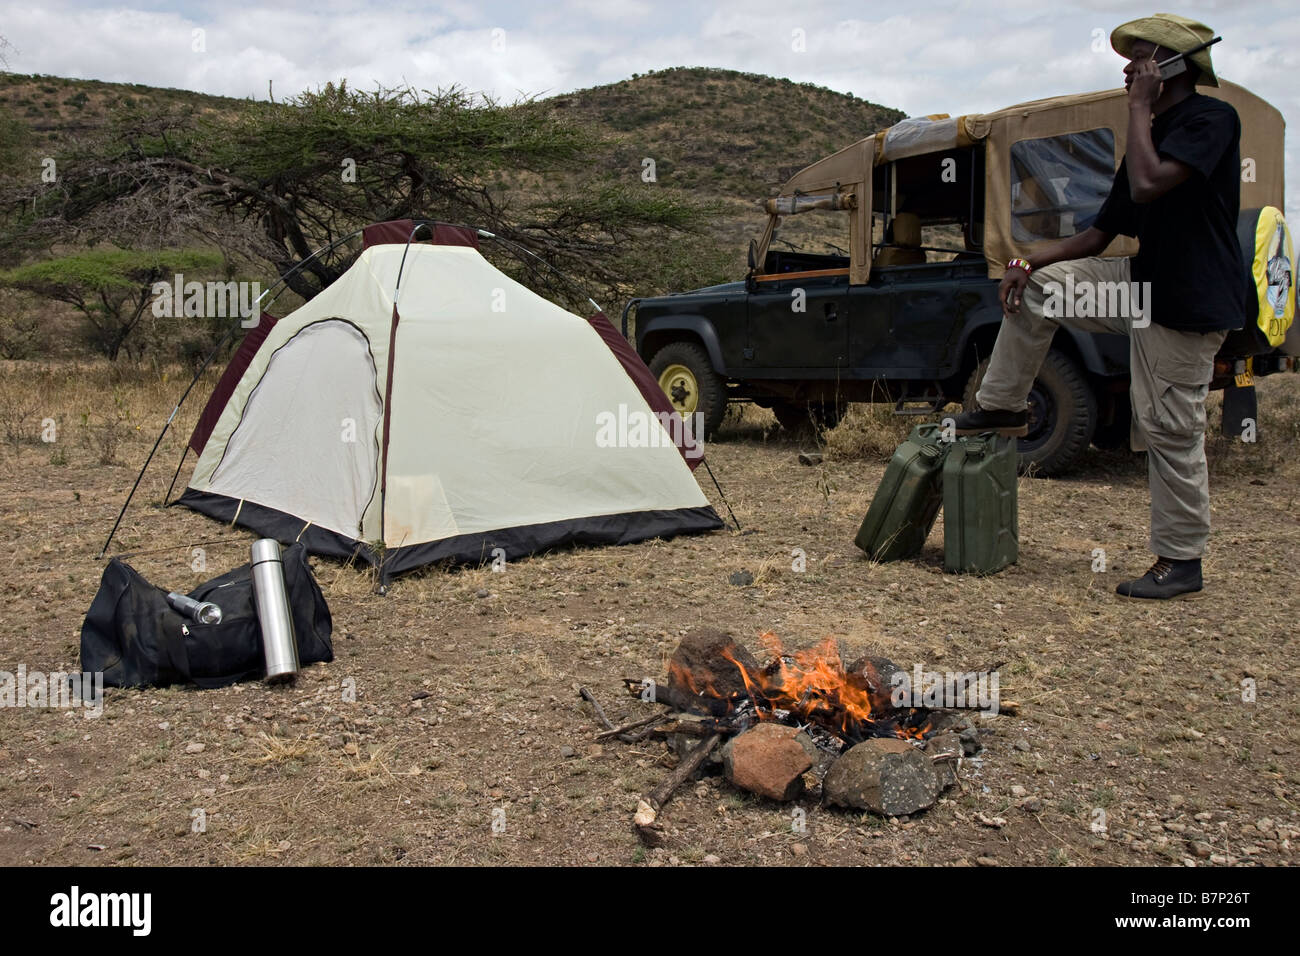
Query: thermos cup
x=272 y=602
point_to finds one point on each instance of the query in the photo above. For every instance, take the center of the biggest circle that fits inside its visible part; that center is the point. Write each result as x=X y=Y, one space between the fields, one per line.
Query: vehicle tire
x=1062 y=415
x=800 y=416
x=1115 y=434
x=686 y=375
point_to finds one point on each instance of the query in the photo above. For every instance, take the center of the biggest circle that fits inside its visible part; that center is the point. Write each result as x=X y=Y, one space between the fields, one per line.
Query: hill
x=722 y=134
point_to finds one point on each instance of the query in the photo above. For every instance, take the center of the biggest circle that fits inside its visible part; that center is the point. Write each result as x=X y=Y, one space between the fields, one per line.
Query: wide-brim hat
x=1172 y=32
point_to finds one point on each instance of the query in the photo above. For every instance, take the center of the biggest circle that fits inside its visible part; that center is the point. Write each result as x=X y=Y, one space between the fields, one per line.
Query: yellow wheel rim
x=683 y=391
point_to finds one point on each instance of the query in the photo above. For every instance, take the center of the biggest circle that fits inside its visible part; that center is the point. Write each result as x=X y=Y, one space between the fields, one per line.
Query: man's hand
x=1011 y=289
x=1143 y=83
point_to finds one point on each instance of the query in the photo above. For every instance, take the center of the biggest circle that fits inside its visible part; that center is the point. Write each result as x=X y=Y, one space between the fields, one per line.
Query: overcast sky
x=920 y=57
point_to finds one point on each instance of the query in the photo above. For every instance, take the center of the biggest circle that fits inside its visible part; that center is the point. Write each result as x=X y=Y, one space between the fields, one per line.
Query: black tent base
x=508 y=544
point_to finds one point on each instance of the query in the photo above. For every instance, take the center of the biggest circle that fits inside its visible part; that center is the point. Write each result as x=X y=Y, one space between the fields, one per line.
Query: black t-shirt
x=1188 y=237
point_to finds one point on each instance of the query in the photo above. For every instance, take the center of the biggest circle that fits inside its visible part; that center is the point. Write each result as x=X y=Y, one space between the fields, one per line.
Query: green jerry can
x=981 y=528
x=907 y=499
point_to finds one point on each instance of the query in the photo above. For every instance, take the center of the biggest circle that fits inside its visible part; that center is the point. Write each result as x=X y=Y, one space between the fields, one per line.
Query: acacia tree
x=280 y=180
x=109 y=287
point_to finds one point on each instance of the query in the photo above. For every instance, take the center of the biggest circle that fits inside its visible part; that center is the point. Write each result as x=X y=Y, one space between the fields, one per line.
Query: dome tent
x=427 y=407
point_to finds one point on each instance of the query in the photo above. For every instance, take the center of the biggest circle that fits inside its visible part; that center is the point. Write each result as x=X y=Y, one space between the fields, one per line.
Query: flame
x=812 y=686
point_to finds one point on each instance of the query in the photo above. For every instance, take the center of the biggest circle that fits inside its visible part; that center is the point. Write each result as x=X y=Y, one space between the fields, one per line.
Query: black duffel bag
x=134 y=637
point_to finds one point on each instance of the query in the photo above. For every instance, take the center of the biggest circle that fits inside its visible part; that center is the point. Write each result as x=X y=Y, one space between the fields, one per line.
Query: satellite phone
x=1178 y=64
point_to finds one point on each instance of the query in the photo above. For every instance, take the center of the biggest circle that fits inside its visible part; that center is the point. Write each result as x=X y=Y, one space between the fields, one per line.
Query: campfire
x=802 y=719
x=812 y=687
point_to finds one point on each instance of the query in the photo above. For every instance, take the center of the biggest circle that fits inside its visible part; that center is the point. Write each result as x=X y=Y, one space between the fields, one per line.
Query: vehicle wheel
x=1115 y=434
x=686 y=375
x=1062 y=415
x=799 y=416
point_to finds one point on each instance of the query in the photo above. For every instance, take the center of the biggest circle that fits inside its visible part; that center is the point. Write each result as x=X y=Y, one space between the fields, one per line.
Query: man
x=1178 y=191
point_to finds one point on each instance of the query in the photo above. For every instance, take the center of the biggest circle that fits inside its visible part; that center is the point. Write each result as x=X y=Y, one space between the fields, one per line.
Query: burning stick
x=662 y=692
x=647 y=810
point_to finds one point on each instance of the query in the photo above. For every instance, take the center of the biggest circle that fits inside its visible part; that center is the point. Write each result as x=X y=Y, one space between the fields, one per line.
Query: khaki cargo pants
x=1171 y=372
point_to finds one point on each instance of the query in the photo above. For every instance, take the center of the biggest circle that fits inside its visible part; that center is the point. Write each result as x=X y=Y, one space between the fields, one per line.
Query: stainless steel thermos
x=272 y=602
x=202 y=612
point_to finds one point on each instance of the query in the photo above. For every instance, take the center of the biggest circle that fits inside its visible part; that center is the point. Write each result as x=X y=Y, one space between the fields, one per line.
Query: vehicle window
x=943 y=242
x=1058 y=183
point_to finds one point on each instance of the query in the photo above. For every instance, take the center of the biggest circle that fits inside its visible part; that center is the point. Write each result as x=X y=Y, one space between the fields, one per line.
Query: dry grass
x=1130 y=708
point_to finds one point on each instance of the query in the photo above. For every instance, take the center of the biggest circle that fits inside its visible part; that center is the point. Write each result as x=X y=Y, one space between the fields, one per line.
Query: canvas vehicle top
x=1036 y=172
x=896 y=284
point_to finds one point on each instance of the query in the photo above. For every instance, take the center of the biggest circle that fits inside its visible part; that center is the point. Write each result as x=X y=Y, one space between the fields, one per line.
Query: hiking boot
x=1013 y=424
x=1166 y=578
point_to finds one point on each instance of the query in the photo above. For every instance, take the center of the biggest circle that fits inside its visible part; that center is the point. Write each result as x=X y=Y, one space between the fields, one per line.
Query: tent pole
x=179 y=465
x=705 y=462
x=161 y=435
x=517 y=248
x=197 y=375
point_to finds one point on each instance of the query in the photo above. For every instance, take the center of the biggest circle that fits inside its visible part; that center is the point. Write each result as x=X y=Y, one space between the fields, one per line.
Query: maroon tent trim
x=645 y=382
x=229 y=379
x=398 y=232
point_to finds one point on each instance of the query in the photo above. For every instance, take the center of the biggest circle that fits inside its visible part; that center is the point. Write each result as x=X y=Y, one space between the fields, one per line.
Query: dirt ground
x=1133 y=744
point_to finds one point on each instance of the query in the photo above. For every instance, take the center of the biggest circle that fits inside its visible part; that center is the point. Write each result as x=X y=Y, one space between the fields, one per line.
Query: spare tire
x=1268 y=257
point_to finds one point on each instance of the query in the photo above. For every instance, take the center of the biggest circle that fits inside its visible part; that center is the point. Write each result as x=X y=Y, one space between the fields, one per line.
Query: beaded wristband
x=1021 y=264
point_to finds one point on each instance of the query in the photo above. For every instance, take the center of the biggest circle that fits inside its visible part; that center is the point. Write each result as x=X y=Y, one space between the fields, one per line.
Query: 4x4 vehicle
x=908 y=312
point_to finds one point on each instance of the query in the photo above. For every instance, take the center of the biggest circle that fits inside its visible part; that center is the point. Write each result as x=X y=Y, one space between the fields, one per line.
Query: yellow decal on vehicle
x=1273 y=270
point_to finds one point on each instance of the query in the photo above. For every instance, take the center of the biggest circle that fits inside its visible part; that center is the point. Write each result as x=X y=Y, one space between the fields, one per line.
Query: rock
x=798 y=849
x=741 y=579
x=1019 y=791
x=482 y=593
x=195 y=748
x=769 y=760
x=986 y=861
x=884 y=775
x=566 y=752
x=810 y=458
x=699 y=656
x=712 y=859
x=1031 y=805
x=1022 y=745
